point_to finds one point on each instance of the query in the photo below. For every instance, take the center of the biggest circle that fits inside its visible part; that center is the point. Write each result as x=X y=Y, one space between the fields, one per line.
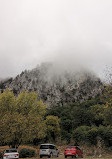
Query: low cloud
x=72 y=34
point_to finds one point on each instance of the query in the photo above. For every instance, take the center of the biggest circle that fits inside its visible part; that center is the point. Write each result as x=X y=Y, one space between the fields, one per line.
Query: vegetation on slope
x=26 y=119
x=56 y=88
x=80 y=110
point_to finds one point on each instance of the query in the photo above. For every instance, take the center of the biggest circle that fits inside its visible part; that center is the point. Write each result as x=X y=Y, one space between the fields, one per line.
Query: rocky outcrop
x=56 y=88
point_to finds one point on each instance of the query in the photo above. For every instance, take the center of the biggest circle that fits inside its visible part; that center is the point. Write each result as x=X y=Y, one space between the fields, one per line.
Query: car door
x=79 y=151
x=56 y=151
x=52 y=150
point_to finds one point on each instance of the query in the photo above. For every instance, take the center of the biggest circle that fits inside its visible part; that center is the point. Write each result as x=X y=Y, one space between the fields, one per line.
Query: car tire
x=65 y=156
x=76 y=156
x=57 y=154
x=50 y=155
x=40 y=156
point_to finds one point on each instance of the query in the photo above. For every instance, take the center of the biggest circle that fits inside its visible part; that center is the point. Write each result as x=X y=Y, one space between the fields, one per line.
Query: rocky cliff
x=53 y=87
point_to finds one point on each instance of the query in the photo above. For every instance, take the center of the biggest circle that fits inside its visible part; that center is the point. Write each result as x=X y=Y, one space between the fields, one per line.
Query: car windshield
x=70 y=148
x=10 y=151
x=44 y=147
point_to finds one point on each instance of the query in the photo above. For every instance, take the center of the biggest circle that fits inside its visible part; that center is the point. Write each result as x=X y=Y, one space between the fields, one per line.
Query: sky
x=70 y=33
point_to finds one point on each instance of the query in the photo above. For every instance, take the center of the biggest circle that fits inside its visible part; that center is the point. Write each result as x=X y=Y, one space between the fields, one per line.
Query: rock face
x=56 y=88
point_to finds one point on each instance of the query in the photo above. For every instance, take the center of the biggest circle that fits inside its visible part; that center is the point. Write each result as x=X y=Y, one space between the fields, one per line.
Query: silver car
x=48 y=150
x=11 y=154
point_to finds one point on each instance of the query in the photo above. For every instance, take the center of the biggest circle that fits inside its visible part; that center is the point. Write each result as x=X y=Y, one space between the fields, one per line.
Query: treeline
x=22 y=119
x=88 y=122
x=26 y=119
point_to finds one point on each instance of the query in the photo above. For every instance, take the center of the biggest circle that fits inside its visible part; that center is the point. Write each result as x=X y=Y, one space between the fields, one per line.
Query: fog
x=73 y=34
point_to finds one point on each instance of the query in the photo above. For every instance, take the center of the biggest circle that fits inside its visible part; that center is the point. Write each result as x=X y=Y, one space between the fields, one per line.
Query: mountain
x=56 y=87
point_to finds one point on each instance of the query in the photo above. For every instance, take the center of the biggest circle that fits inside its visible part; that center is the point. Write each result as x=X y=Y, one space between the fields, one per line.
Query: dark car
x=73 y=151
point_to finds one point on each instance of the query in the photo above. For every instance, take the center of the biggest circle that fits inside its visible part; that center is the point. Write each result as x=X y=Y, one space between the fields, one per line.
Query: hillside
x=53 y=87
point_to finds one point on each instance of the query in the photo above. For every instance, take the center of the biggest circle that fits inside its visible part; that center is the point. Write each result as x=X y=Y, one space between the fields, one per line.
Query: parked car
x=49 y=150
x=73 y=151
x=11 y=153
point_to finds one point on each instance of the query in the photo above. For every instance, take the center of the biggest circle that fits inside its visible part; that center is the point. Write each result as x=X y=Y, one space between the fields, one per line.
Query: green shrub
x=105 y=134
x=92 y=135
x=24 y=153
x=80 y=133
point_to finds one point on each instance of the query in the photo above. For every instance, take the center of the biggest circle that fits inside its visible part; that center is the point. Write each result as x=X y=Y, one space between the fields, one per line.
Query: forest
x=25 y=119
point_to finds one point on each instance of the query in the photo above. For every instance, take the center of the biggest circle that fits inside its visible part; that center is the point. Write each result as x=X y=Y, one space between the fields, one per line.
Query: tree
x=80 y=133
x=21 y=118
x=98 y=113
x=108 y=105
x=13 y=129
x=7 y=103
x=53 y=127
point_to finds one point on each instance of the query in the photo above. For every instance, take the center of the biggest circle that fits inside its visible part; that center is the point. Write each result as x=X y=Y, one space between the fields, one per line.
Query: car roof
x=72 y=146
x=11 y=149
x=48 y=144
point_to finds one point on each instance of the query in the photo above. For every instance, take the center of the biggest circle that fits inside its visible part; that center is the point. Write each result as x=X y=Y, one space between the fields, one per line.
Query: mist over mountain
x=56 y=87
x=65 y=31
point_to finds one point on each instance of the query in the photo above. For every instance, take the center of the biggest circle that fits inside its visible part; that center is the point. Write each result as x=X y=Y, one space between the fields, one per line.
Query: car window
x=10 y=151
x=51 y=147
x=13 y=150
x=7 y=151
x=77 y=148
x=44 y=146
x=70 y=148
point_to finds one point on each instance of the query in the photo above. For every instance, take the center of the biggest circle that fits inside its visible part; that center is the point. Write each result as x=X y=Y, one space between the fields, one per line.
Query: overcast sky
x=68 y=32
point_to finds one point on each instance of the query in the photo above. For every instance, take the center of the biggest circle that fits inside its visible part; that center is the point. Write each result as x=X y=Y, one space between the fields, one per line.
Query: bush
x=92 y=135
x=24 y=153
x=80 y=133
x=105 y=134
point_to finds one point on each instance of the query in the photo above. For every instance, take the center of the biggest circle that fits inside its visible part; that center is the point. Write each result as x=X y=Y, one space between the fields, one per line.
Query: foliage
x=108 y=105
x=80 y=134
x=98 y=113
x=105 y=133
x=85 y=122
x=72 y=116
x=53 y=127
x=108 y=116
x=7 y=103
x=91 y=135
x=13 y=129
x=20 y=116
x=24 y=153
